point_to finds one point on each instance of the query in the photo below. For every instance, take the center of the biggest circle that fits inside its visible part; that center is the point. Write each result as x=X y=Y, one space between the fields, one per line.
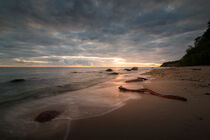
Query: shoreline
x=154 y=117
x=103 y=112
x=90 y=102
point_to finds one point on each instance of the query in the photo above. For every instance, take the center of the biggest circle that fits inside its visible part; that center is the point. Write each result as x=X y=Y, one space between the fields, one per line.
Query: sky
x=101 y=33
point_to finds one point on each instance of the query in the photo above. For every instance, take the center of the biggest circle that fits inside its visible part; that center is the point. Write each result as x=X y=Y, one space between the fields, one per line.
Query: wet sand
x=153 y=117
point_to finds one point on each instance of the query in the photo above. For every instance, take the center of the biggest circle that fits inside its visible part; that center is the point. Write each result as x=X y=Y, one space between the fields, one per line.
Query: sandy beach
x=104 y=70
x=103 y=112
x=153 y=117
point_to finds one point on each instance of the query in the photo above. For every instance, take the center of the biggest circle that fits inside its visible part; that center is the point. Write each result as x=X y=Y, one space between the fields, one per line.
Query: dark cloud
x=140 y=31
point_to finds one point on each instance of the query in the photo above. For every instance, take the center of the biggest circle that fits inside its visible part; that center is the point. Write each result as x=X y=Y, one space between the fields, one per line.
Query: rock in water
x=114 y=73
x=139 y=79
x=47 y=116
x=74 y=72
x=127 y=69
x=134 y=68
x=17 y=80
x=109 y=70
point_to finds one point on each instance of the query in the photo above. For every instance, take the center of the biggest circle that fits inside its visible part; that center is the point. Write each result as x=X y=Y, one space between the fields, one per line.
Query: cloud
x=135 y=31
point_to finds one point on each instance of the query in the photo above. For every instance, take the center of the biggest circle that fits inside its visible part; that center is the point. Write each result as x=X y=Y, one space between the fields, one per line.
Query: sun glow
x=71 y=61
x=122 y=63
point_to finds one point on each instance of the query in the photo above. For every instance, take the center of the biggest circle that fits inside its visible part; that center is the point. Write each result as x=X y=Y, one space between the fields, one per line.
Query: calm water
x=78 y=95
x=42 y=82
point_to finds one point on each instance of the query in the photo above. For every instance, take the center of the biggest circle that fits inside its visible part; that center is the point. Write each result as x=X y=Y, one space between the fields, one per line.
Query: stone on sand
x=47 y=116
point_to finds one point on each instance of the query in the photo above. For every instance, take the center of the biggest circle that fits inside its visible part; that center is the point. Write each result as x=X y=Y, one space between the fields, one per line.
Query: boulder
x=196 y=69
x=17 y=80
x=127 y=69
x=114 y=73
x=47 y=116
x=134 y=68
x=109 y=70
x=139 y=79
x=74 y=72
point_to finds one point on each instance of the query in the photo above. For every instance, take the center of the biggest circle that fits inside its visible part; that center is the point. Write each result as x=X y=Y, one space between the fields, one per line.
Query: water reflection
x=94 y=101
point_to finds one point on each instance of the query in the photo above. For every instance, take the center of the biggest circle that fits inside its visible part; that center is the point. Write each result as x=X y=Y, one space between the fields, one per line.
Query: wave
x=51 y=91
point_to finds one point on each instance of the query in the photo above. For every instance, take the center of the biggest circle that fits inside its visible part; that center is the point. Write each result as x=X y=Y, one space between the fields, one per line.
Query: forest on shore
x=196 y=55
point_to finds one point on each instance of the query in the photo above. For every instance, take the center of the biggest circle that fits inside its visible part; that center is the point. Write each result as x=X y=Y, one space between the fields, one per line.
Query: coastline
x=154 y=117
x=104 y=112
x=97 y=100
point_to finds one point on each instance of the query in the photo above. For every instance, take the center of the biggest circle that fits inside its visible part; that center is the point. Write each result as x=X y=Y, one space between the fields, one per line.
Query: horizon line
x=67 y=66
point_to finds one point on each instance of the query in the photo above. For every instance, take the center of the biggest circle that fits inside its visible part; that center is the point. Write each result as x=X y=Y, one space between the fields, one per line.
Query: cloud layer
x=98 y=32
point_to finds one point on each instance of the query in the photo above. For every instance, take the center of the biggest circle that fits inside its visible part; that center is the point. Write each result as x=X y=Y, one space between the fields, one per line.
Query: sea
x=43 y=82
x=78 y=93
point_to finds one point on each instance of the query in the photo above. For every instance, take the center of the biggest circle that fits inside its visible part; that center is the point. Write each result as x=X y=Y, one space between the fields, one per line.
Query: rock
x=207 y=93
x=47 y=116
x=74 y=72
x=139 y=79
x=127 y=69
x=114 y=73
x=200 y=118
x=134 y=68
x=109 y=70
x=196 y=69
x=17 y=80
x=203 y=86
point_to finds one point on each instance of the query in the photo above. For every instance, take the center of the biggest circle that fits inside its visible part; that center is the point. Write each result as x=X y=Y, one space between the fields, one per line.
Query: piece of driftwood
x=47 y=116
x=139 y=79
x=153 y=93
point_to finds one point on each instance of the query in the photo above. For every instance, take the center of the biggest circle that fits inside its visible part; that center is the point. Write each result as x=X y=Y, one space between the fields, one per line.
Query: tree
x=199 y=54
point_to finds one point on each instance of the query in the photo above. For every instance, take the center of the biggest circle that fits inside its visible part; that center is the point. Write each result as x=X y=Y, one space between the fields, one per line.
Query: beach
x=104 y=70
x=104 y=112
x=78 y=94
x=153 y=117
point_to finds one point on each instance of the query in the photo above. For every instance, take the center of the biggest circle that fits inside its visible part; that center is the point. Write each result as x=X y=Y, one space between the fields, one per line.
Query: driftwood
x=47 y=116
x=153 y=93
x=139 y=79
